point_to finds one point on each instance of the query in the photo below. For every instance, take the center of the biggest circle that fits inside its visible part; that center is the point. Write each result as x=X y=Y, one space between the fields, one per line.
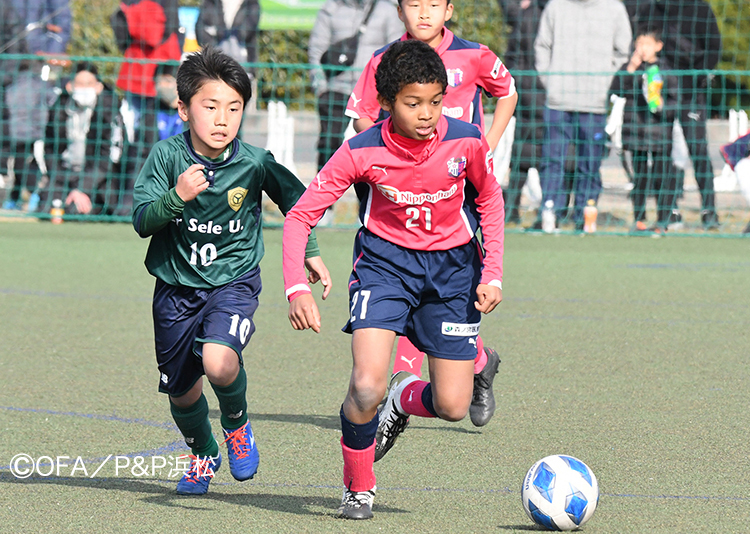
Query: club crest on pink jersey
x=455 y=77
x=456 y=166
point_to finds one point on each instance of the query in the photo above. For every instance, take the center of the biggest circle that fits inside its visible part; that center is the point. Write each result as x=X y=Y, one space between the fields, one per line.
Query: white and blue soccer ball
x=560 y=492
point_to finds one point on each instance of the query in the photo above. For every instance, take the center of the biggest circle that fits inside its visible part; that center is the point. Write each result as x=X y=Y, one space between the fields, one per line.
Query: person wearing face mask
x=168 y=121
x=82 y=144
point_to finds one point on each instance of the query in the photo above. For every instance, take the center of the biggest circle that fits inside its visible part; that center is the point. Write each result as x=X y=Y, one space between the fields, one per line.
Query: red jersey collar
x=432 y=143
x=444 y=44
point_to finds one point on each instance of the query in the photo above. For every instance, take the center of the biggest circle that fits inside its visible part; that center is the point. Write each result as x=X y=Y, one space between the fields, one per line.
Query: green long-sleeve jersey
x=216 y=237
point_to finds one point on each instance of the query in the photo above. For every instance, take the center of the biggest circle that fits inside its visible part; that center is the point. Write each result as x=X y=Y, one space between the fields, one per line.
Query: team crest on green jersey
x=235 y=197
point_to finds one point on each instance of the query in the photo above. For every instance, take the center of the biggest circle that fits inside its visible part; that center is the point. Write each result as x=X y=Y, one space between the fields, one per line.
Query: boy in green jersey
x=198 y=197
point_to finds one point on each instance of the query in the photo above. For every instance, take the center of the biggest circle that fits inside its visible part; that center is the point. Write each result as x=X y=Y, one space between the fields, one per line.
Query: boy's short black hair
x=211 y=64
x=648 y=29
x=87 y=66
x=405 y=63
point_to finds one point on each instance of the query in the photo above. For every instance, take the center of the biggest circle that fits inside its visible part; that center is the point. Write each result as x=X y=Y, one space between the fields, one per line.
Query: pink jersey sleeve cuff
x=295 y=291
x=497 y=283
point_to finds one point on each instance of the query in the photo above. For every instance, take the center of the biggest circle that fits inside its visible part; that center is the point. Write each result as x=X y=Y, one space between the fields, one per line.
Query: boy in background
x=198 y=197
x=418 y=266
x=470 y=68
x=651 y=101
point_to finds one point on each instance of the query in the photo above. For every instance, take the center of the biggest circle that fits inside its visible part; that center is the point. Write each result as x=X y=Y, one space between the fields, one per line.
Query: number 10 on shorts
x=243 y=328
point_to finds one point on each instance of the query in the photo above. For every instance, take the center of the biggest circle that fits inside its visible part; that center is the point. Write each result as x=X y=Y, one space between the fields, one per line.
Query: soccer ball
x=560 y=492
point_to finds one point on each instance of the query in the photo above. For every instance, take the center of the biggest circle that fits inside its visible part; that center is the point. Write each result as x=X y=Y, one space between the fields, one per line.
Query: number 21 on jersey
x=415 y=219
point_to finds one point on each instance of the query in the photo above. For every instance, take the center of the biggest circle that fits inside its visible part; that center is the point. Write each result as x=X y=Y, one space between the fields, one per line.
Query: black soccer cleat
x=483 y=401
x=391 y=421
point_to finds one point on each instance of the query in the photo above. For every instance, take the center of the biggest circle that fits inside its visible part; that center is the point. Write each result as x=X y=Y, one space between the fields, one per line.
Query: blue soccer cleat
x=196 y=479
x=242 y=451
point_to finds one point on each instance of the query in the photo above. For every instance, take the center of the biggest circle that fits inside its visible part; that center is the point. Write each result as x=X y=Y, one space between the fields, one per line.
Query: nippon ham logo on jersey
x=455 y=77
x=414 y=199
x=459 y=329
x=456 y=166
x=456 y=112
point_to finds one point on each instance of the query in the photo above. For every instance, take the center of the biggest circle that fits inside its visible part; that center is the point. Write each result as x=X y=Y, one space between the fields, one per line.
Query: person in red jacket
x=144 y=29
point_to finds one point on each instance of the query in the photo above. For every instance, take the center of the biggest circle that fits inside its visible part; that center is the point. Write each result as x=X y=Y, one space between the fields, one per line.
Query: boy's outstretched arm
x=501 y=118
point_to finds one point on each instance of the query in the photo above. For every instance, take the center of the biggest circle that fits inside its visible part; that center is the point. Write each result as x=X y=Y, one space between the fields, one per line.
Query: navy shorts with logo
x=427 y=296
x=185 y=318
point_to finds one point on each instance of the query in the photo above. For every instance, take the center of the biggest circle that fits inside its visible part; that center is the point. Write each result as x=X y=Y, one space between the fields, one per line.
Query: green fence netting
x=53 y=147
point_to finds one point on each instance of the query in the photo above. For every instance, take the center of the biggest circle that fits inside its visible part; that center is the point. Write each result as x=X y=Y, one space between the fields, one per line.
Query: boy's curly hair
x=405 y=63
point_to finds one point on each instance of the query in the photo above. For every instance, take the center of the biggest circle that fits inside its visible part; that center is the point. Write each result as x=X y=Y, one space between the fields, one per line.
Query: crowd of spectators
x=68 y=135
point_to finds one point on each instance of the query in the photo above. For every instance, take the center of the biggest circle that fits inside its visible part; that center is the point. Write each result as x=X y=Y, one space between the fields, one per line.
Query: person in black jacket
x=651 y=100
x=691 y=42
x=83 y=137
x=523 y=18
x=231 y=26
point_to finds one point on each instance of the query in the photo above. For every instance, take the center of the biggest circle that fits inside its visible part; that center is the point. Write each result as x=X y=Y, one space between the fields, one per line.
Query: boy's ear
x=659 y=46
x=182 y=109
x=448 y=11
x=384 y=104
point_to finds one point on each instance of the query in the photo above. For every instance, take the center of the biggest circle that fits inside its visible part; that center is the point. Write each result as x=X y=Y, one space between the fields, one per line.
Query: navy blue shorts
x=427 y=296
x=185 y=318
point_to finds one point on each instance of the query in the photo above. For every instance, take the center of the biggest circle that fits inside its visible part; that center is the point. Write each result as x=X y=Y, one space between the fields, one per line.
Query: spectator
x=580 y=45
x=144 y=30
x=48 y=25
x=523 y=18
x=737 y=156
x=160 y=120
x=232 y=26
x=651 y=101
x=11 y=42
x=168 y=121
x=27 y=98
x=691 y=42
x=82 y=144
x=337 y=20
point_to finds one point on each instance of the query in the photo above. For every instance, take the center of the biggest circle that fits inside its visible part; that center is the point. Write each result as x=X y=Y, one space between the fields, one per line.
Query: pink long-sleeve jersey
x=416 y=202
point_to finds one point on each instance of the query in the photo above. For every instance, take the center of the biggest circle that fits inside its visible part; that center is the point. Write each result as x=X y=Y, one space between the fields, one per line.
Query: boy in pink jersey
x=418 y=270
x=470 y=67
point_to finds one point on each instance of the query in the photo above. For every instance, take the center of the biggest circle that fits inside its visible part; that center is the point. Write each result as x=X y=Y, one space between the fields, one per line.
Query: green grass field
x=628 y=353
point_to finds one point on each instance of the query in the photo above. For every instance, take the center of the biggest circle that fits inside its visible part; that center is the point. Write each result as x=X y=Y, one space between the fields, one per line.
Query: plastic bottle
x=589 y=217
x=548 y=217
x=652 y=90
x=57 y=212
